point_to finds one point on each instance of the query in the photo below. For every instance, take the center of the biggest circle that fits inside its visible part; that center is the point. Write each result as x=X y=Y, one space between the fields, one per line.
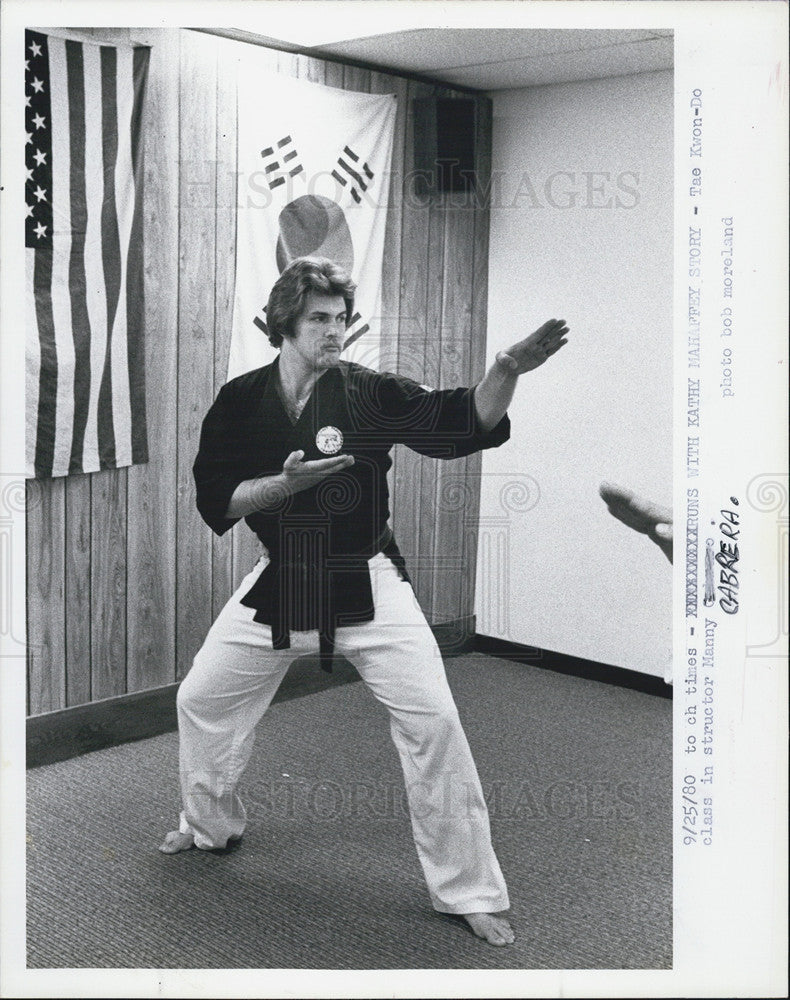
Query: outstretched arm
x=649 y=518
x=494 y=393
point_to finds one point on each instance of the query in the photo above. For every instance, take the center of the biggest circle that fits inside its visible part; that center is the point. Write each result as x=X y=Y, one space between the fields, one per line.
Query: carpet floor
x=578 y=776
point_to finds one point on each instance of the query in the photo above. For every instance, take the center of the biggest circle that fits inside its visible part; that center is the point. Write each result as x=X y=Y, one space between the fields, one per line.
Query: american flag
x=85 y=383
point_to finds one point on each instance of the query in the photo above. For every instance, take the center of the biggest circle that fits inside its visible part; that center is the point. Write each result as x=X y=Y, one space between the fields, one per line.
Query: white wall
x=596 y=251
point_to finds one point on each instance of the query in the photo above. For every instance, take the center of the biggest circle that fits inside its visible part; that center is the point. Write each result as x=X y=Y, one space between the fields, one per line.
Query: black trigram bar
x=355 y=173
x=351 y=173
x=275 y=167
x=259 y=322
x=353 y=191
x=355 y=334
x=366 y=169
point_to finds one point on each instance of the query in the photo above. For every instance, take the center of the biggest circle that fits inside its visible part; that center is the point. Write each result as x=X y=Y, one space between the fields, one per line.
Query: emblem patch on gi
x=329 y=440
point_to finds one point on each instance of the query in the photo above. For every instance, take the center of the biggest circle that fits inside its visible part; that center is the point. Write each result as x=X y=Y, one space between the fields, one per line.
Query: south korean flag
x=313 y=180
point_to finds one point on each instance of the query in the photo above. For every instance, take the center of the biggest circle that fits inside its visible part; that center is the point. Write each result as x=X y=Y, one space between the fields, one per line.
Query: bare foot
x=651 y=519
x=175 y=842
x=488 y=926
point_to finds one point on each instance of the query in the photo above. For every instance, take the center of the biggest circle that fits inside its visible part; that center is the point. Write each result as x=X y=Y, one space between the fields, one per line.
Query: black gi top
x=319 y=539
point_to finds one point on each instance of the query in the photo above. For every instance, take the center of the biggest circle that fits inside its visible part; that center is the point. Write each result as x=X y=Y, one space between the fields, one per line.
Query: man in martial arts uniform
x=300 y=448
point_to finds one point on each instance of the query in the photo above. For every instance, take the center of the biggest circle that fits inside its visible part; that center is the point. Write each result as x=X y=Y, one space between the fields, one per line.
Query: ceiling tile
x=639 y=57
x=425 y=50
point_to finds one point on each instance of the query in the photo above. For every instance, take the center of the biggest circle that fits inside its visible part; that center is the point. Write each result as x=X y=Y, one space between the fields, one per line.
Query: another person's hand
x=649 y=518
x=535 y=349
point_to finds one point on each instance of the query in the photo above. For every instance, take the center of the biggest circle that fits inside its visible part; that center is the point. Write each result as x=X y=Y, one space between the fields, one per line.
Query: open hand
x=300 y=475
x=650 y=518
x=535 y=349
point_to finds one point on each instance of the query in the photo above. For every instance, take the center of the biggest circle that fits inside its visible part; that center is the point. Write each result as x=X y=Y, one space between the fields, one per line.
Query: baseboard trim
x=562 y=663
x=69 y=732
x=457 y=637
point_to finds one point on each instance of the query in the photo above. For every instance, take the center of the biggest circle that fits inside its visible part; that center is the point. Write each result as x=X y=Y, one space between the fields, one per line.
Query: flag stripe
x=339 y=177
x=295 y=171
x=124 y=200
x=61 y=246
x=135 y=345
x=94 y=265
x=48 y=373
x=80 y=323
x=350 y=152
x=283 y=142
x=110 y=251
x=32 y=366
x=277 y=182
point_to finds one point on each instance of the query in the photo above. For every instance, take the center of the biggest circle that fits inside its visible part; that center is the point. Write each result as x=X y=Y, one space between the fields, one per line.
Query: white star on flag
x=28 y=174
x=28 y=138
x=28 y=210
x=35 y=48
x=39 y=193
x=27 y=100
x=37 y=85
x=40 y=157
x=39 y=122
x=41 y=230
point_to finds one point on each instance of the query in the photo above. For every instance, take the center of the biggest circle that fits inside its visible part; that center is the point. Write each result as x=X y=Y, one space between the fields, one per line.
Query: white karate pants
x=234 y=678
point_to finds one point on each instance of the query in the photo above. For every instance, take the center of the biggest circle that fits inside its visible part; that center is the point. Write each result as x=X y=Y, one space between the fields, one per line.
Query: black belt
x=316 y=578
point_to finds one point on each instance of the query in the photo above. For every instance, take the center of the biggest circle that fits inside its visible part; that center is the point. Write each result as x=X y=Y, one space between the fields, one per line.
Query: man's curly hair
x=302 y=276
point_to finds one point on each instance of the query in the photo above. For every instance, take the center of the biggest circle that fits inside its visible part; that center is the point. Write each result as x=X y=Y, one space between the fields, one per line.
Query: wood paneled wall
x=124 y=579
